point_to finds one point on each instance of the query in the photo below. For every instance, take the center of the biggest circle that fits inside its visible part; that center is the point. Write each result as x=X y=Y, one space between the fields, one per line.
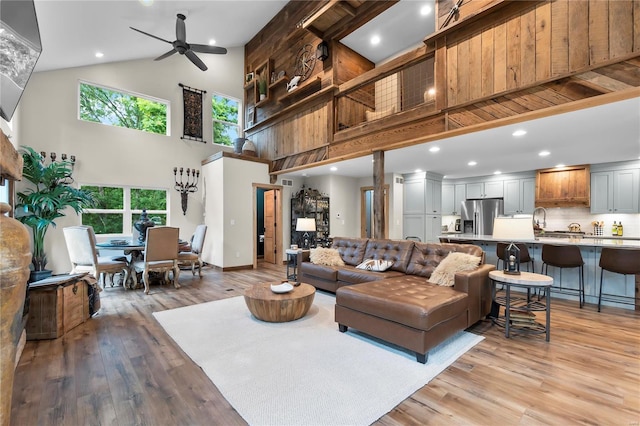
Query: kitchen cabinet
x=452 y=198
x=489 y=189
x=563 y=187
x=414 y=226
x=433 y=196
x=433 y=229
x=519 y=196
x=414 y=196
x=615 y=191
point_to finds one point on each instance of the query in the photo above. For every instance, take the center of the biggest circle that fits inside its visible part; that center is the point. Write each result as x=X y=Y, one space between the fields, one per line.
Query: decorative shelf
x=283 y=79
x=301 y=88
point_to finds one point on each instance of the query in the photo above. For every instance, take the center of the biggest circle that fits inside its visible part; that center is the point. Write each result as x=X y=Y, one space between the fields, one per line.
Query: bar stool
x=620 y=261
x=564 y=257
x=525 y=257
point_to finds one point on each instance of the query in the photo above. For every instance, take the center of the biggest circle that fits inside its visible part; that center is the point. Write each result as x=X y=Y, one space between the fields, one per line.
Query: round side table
x=519 y=311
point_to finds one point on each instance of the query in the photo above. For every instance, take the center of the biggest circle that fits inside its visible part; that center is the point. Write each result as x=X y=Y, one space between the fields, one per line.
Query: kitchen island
x=590 y=249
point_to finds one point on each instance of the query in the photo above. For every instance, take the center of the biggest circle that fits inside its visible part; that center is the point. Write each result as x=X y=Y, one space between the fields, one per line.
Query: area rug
x=303 y=372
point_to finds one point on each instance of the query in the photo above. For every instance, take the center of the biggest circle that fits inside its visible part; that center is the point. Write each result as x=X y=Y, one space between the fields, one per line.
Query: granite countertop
x=590 y=241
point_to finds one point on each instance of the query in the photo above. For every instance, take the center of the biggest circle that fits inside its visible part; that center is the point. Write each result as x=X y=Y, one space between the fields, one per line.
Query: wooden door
x=270 y=226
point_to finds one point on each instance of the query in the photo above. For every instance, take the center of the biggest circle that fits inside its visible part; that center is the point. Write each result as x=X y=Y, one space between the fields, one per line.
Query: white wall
x=231 y=210
x=109 y=155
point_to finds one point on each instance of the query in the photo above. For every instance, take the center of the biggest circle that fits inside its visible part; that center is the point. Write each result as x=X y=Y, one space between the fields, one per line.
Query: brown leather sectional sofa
x=400 y=305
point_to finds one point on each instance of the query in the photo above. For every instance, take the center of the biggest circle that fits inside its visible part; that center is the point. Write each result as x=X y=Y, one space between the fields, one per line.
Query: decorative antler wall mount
x=185 y=187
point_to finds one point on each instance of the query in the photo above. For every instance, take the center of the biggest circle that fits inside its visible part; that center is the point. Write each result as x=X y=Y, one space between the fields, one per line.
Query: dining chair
x=194 y=256
x=81 y=245
x=160 y=255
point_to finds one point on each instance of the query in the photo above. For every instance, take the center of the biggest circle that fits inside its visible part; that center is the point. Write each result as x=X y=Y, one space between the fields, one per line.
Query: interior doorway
x=267 y=224
x=366 y=212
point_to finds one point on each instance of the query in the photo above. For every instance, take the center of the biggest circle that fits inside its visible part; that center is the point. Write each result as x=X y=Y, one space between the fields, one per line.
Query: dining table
x=135 y=249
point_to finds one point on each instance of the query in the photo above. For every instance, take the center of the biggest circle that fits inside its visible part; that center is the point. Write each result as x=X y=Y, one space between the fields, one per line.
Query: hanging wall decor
x=192 y=129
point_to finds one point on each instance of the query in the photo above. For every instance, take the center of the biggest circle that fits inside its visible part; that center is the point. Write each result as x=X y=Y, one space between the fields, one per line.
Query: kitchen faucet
x=544 y=216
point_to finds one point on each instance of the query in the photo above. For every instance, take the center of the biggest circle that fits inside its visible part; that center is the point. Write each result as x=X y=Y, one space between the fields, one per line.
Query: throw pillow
x=325 y=256
x=376 y=265
x=454 y=262
x=374 y=115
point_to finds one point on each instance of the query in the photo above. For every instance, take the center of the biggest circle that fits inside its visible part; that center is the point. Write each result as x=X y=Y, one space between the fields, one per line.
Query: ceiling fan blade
x=194 y=58
x=181 y=31
x=150 y=35
x=166 y=55
x=204 y=48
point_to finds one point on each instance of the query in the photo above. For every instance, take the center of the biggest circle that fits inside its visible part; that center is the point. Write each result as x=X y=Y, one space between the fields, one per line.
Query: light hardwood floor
x=120 y=368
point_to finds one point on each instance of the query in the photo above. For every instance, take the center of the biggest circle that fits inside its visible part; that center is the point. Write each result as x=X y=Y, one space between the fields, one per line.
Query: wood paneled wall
x=539 y=43
x=497 y=61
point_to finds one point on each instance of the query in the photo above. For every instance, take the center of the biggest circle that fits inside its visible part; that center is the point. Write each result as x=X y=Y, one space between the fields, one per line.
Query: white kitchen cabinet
x=414 y=226
x=490 y=189
x=519 y=196
x=433 y=230
x=414 y=196
x=615 y=191
x=433 y=196
x=452 y=198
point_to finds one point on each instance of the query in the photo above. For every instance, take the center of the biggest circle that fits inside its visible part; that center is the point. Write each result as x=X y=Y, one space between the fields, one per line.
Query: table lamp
x=512 y=229
x=306 y=225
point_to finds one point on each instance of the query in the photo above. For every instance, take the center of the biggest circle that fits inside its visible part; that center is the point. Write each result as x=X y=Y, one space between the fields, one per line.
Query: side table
x=293 y=260
x=519 y=310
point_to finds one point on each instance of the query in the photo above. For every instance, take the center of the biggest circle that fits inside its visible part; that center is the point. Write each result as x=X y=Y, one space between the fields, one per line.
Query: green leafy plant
x=262 y=84
x=47 y=199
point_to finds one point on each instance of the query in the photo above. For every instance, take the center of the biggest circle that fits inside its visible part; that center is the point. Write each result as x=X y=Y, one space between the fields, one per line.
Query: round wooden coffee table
x=268 y=306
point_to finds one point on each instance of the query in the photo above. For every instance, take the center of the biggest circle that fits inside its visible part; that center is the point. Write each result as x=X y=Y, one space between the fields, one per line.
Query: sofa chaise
x=401 y=305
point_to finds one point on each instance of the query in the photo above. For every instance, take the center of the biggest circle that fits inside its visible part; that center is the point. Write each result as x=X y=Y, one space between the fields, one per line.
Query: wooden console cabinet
x=57 y=305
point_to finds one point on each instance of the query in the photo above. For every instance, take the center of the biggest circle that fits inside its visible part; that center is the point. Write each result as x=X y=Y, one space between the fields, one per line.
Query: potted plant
x=46 y=200
x=262 y=86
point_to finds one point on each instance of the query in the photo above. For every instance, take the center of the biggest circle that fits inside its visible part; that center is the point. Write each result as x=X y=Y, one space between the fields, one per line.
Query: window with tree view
x=118 y=208
x=225 y=119
x=118 y=108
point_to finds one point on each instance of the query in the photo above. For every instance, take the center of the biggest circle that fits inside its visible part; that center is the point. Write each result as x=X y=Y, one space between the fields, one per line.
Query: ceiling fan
x=181 y=46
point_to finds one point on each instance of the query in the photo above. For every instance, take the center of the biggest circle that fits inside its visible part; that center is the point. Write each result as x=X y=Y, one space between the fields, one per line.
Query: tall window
x=122 y=109
x=225 y=119
x=118 y=208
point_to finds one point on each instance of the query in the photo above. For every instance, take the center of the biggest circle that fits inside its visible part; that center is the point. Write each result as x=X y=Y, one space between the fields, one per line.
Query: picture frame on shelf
x=251 y=115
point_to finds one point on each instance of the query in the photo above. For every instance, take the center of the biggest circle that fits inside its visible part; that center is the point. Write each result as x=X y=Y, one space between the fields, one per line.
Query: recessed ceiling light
x=425 y=10
x=334 y=169
x=305 y=175
x=146 y=2
x=559 y=166
x=497 y=172
x=519 y=132
x=212 y=42
x=375 y=40
x=544 y=153
x=99 y=54
x=471 y=163
x=418 y=170
x=434 y=149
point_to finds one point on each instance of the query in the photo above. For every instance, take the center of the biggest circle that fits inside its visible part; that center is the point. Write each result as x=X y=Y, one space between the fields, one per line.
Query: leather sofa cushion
x=352 y=275
x=351 y=249
x=320 y=271
x=426 y=257
x=405 y=300
x=396 y=251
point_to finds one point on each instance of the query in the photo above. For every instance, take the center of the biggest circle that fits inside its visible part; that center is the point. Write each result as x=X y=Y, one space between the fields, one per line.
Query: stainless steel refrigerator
x=478 y=215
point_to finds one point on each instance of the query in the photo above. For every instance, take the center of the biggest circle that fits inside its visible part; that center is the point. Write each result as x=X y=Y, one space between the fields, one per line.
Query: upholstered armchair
x=81 y=245
x=160 y=255
x=194 y=256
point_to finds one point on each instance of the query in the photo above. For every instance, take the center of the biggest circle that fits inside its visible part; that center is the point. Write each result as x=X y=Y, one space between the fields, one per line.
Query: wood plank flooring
x=120 y=368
